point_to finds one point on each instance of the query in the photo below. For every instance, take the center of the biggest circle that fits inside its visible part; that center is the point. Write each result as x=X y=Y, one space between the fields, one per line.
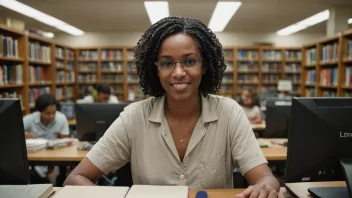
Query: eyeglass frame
x=175 y=63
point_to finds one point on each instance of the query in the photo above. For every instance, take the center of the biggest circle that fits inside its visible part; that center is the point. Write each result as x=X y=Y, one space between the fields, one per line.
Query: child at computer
x=251 y=109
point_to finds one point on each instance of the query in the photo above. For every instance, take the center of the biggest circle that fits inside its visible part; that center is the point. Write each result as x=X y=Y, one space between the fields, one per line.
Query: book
x=28 y=191
x=148 y=191
x=92 y=192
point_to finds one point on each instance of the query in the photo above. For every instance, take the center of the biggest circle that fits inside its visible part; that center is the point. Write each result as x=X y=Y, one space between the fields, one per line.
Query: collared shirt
x=33 y=124
x=221 y=141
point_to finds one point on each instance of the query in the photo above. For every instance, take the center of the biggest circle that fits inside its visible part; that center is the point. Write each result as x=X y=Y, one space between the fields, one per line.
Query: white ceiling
x=254 y=16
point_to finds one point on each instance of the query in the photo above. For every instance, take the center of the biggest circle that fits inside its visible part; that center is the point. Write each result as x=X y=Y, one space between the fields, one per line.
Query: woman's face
x=246 y=98
x=179 y=83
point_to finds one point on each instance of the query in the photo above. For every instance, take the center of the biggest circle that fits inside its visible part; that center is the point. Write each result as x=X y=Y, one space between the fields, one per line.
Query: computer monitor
x=319 y=142
x=277 y=118
x=13 y=152
x=94 y=119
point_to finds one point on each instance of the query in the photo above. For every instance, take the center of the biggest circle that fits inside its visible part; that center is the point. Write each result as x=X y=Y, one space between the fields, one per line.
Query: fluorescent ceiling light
x=350 y=21
x=222 y=14
x=315 y=19
x=157 y=10
x=40 y=16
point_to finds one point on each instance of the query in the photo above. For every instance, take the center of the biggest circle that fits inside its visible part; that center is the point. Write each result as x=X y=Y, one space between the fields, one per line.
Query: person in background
x=46 y=122
x=200 y=137
x=252 y=111
x=102 y=94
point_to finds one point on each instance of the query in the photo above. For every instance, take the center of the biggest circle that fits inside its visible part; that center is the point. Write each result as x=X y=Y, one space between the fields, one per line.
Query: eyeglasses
x=189 y=63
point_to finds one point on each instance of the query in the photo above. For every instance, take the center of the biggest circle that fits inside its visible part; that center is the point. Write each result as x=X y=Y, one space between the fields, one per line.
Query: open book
x=92 y=192
x=28 y=191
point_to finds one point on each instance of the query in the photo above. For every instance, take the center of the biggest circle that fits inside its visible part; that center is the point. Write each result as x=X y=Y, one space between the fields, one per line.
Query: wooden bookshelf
x=328 y=67
x=309 y=70
x=13 y=61
x=228 y=88
x=345 y=72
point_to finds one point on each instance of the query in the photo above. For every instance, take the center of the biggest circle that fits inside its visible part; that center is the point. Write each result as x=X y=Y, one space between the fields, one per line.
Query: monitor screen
x=277 y=118
x=94 y=119
x=320 y=135
x=13 y=152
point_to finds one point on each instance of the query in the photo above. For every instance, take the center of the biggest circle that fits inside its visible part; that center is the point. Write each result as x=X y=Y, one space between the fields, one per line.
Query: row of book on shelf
x=329 y=53
x=8 y=47
x=39 y=52
x=12 y=74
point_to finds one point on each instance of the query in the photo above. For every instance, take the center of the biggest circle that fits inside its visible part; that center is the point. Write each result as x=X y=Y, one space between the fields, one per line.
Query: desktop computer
x=320 y=144
x=277 y=118
x=94 y=119
x=13 y=153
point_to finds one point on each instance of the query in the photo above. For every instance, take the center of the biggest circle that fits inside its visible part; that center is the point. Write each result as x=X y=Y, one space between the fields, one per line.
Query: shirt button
x=182 y=176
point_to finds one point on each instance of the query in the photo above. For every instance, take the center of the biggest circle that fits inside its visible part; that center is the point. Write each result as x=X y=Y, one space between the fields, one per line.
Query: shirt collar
x=38 y=121
x=208 y=110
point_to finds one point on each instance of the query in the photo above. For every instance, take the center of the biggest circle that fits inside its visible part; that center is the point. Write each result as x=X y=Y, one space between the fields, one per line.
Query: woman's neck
x=183 y=109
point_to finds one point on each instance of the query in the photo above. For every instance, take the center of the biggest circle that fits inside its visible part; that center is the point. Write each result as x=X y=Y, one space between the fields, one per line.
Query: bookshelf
x=271 y=60
x=112 y=69
x=228 y=88
x=41 y=69
x=12 y=65
x=328 y=66
x=132 y=88
x=65 y=76
x=248 y=69
x=309 y=70
x=346 y=65
x=292 y=62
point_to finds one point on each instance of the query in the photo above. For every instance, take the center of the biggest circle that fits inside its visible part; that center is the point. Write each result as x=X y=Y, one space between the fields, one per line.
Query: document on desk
x=92 y=192
x=28 y=191
x=146 y=191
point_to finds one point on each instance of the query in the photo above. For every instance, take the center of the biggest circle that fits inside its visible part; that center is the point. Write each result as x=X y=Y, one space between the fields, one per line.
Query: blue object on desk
x=202 y=194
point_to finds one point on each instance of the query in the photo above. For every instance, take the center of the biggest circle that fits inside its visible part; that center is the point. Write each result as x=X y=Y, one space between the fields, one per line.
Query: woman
x=182 y=135
x=252 y=111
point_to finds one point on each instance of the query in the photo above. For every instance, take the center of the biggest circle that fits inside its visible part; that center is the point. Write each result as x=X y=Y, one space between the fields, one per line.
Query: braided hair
x=147 y=50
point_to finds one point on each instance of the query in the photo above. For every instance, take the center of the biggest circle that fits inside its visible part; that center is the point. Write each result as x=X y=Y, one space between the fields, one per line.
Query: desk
x=71 y=156
x=66 y=156
x=212 y=193
x=258 y=127
x=72 y=122
x=301 y=189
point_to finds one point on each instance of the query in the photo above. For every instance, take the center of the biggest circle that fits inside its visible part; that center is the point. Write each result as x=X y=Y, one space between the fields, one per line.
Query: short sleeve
x=27 y=120
x=246 y=153
x=113 y=99
x=112 y=151
x=256 y=110
x=65 y=130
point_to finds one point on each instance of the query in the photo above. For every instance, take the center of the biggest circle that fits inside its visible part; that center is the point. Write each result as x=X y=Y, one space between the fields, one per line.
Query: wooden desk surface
x=212 y=193
x=274 y=152
x=301 y=189
x=259 y=127
x=72 y=122
x=69 y=153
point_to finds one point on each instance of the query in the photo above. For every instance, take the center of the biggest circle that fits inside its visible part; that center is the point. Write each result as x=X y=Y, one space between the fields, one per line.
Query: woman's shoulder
x=222 y=104
x=142 y=106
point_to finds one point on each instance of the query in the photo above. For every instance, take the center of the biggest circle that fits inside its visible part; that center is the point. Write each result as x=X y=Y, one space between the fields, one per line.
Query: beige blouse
x=222 y=140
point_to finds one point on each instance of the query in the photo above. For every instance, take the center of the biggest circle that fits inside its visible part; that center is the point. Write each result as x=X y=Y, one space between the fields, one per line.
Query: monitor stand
x=341 y=192
x=100 y=126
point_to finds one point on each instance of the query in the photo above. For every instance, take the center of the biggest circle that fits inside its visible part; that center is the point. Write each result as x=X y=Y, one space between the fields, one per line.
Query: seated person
x=46 y=122
x=103 y=94
x=251 y=110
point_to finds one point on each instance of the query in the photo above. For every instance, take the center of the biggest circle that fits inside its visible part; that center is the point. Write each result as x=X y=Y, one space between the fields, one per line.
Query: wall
x=226 y=38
